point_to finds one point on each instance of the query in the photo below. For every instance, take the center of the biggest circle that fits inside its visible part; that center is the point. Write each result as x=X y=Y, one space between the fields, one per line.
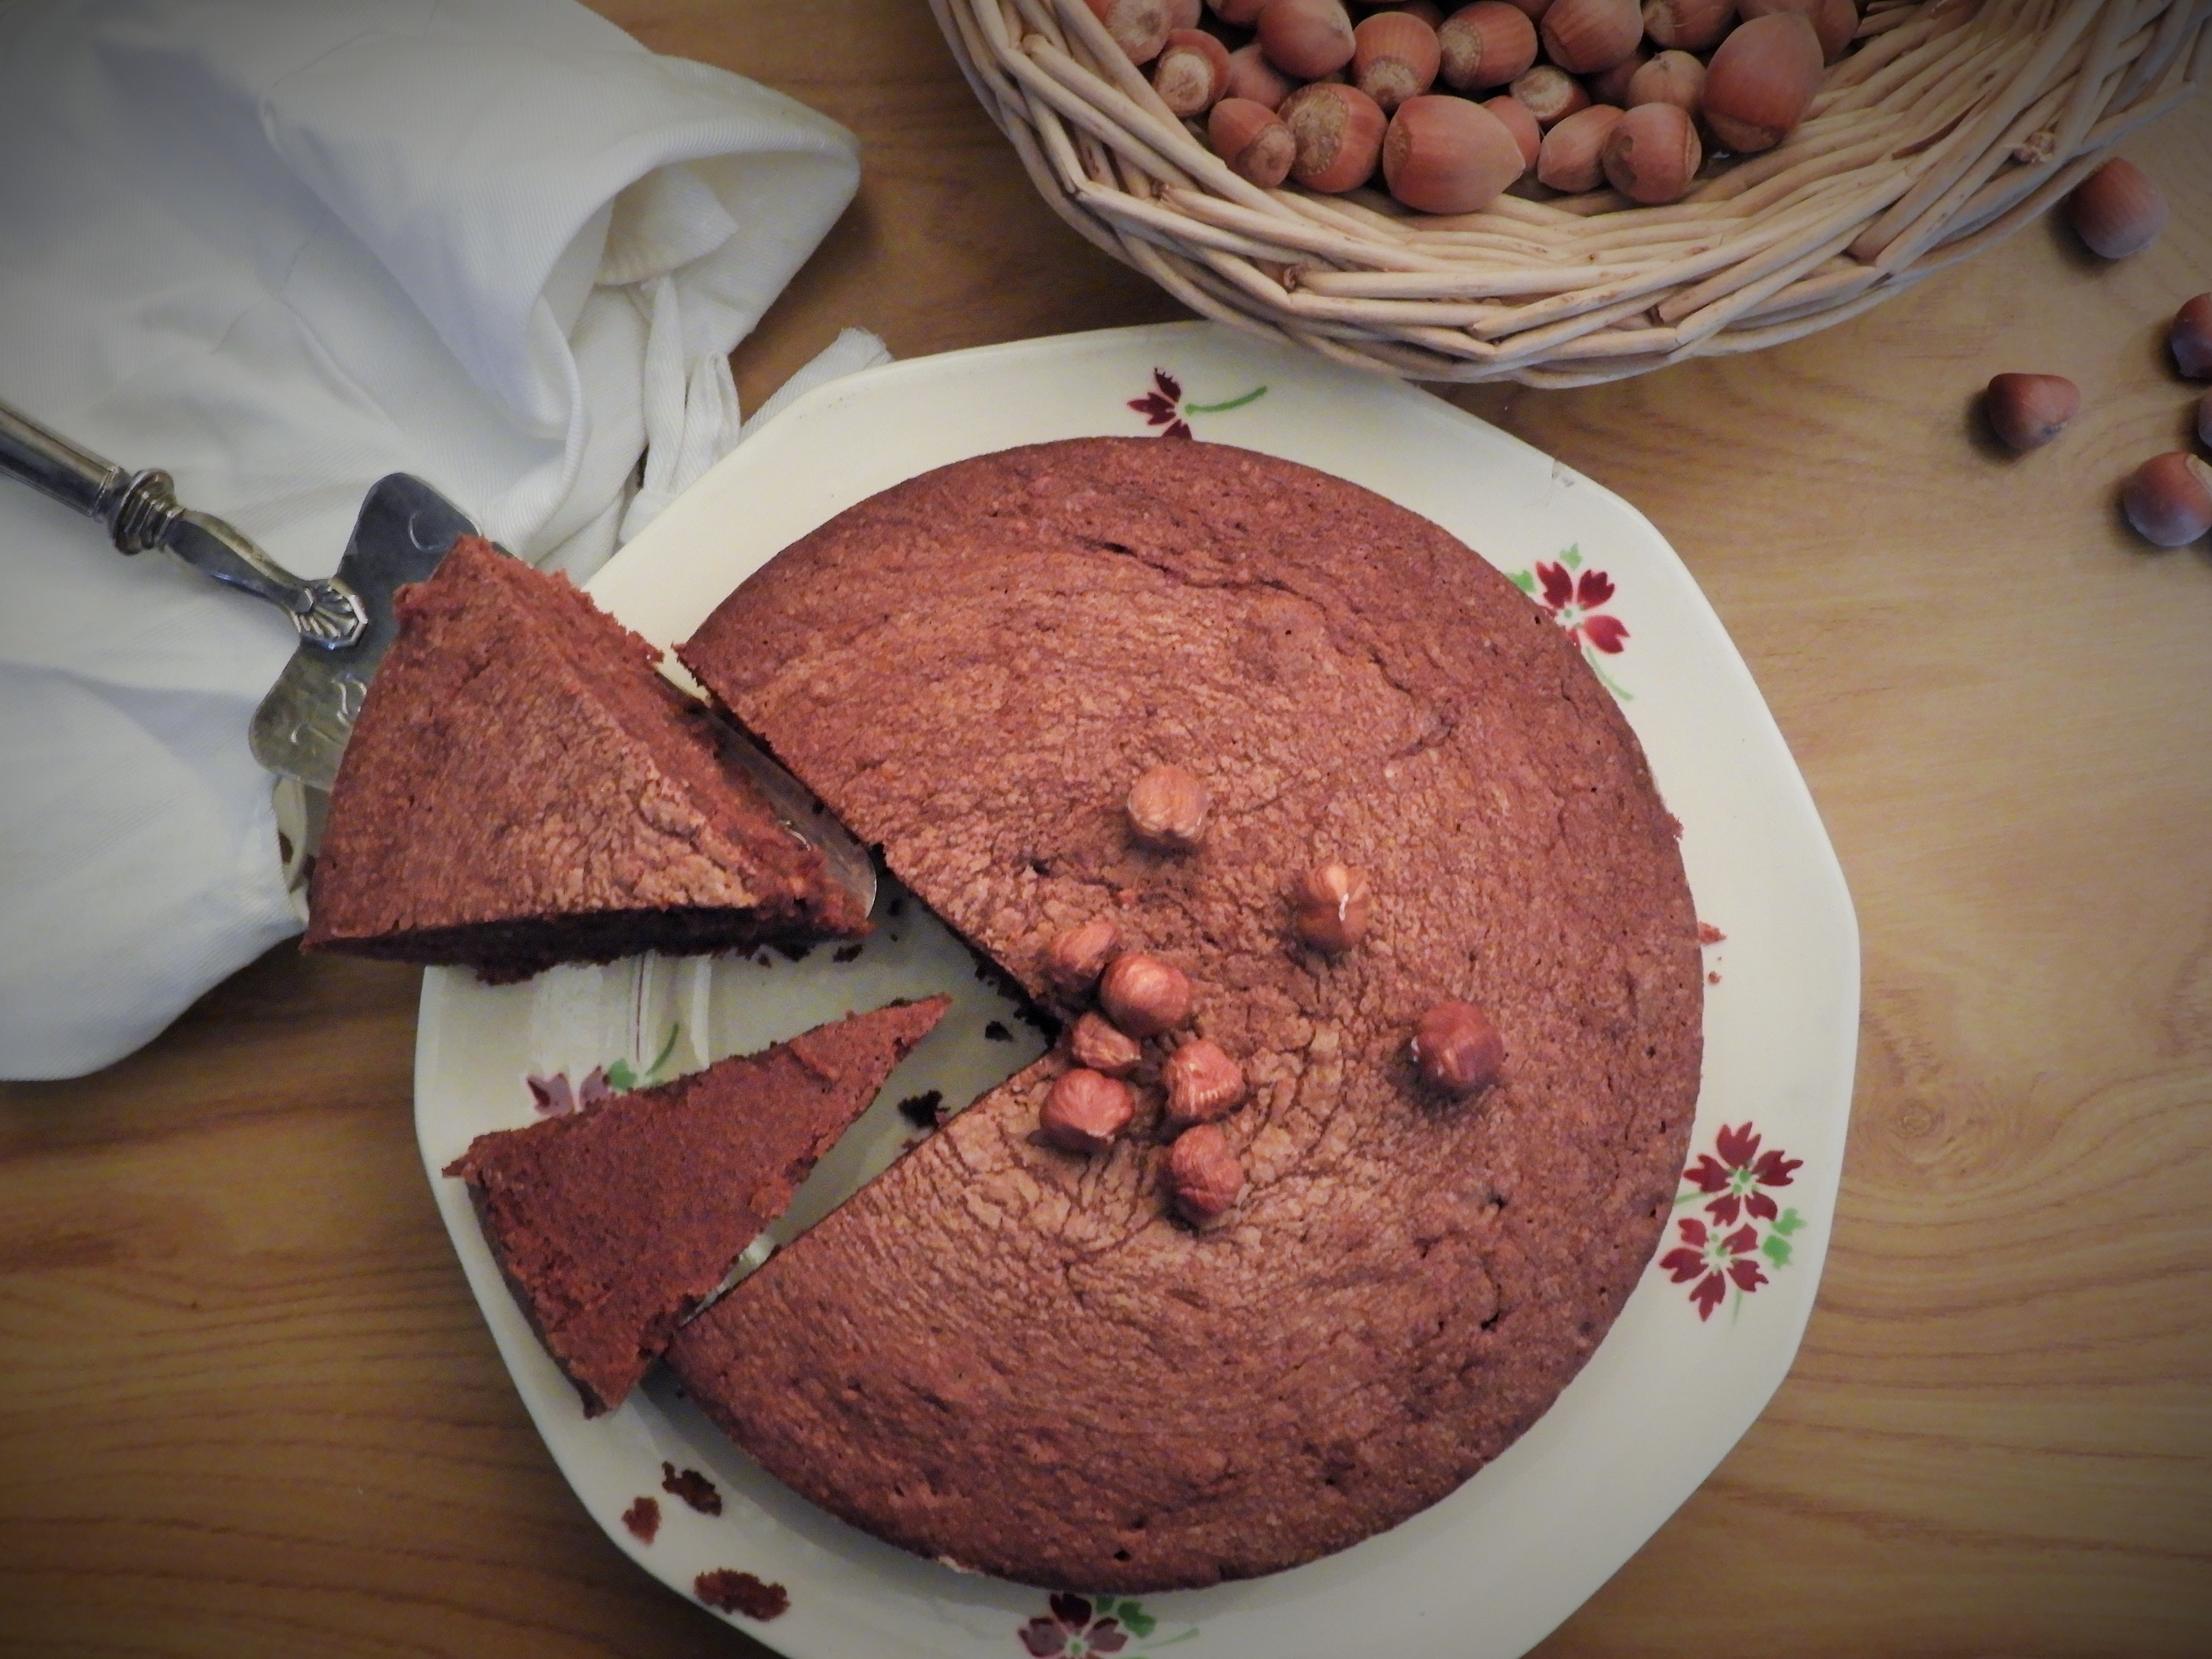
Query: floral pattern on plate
x=1715 y=1251
x=1576 y=603
x=1078 y=1626
x=1163 y=405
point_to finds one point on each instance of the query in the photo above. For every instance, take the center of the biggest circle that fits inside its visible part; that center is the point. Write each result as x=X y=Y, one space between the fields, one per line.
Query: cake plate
x=1704 y=1340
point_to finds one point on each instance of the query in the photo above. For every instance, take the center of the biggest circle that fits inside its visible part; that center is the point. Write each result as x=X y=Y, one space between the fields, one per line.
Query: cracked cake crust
x=1013 y=1358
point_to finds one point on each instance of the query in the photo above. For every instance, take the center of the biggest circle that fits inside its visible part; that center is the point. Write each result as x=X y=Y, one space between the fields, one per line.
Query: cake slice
x=524 y=788
x=613 y=1223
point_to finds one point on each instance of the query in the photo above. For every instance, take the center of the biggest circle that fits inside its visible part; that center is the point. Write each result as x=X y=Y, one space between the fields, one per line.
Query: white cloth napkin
x=282 y=248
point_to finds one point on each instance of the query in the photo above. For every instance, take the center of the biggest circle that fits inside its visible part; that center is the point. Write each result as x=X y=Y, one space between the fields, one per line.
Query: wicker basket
x=1948 y=126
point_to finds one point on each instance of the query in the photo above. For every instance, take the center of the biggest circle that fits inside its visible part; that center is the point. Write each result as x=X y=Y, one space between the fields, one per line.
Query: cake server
x=345 y=621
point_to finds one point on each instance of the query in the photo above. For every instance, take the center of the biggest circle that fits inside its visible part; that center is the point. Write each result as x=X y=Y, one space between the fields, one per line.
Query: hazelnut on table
x=2027 y=411
x=1203 y=1173
x=1204 y=1085
x=1458 y=1049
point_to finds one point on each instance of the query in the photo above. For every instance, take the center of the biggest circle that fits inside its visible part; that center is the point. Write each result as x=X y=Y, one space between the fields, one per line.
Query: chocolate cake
x=523 y=788
x=1022 y=1360
x=612 y=1222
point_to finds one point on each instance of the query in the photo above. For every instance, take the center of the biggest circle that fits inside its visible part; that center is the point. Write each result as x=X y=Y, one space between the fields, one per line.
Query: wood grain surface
x=247 y=1406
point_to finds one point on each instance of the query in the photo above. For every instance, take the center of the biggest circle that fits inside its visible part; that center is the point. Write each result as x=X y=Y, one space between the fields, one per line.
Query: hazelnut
x=1185 y=13
x=1306 y=37
x=1692 y=25
x=1167 y=809
x=1610 y=85
x=1671 y=78
x=1085 y=1111
x=1761 y=79
x=1485 y=45
x=1203 y=1084
x=2191 y=338
x=2169 y=499
x=1427 y=11
x=1572 y=157
x=1140 y=27
x=1255 y=80
x=1100 y=1047
x=1330 y=912
x=1144 y=995
x=1444 y=154
x=1242 y=13
x=2204 y=419
x=1203 y=1173
x=1583 y=37
x=1549 y=94
x=1339 y=130
x=1457 y=1048
x=1514 y=114
x=2118 y=210
x=1834 y=22
x=1395 y=58
x=2027 y=411
x=1252 y=140
x=1652 y=154
x=1073 y=961
x=1191 y=72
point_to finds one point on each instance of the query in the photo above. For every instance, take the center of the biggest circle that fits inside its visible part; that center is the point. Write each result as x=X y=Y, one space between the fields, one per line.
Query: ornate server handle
x=140 y=510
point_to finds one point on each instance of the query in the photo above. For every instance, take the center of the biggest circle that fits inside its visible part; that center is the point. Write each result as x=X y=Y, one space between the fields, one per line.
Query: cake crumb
x=1709 y=934
x=922 y=1110
x=996 y=1031
x=846 y=953
x=693 y=1487
x=726 y=1590
x=643 y=1519
x=1713 y=978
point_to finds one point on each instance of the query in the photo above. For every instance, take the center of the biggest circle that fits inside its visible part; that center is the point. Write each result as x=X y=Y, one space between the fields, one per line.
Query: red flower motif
x=1570 y=603
x=1159 y=406
x=1736 y=1176
x=554 y=1098
x=1069 y=1632
x=1721 y=1258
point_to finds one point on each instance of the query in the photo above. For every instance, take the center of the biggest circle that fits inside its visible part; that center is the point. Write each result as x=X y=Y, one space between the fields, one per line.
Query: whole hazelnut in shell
x=1514 y=115
x=1395 y=58
x=1252 y=140
x=2169 y=499
x=1485 y=45
x=1185 y=13
x=1446 y=154
x=1255 y=80
x=1203 y=1173
x=1760 y=80
x=1427 y=11
x=2027 y=411
x=1168 y=808
x=1085 y=1112
x=1652 y=154
x=1191 y=72
x=1549 y=94
x=1096 y=1044
x=1203 y=1083
x=1691 y=25
x=1330 y=908
x=2118 y=210
x=1306 y=37
x=2190 y=339
x=1338 y=131
x=1242 y=13
x=1074 y=959
x=1671 y=78
x=1144 y=995
x=1140 y=27
x=1834 y=22
x=1583 y=37
x=1458 y=1049
x=1572 y=159
x=1610 y=85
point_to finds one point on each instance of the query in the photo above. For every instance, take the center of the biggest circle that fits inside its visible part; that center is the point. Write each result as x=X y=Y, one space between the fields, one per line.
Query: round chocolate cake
x=1024 y=1360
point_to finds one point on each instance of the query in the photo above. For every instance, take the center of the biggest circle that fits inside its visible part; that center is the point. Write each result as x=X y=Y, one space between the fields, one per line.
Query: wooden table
x=248 y=1407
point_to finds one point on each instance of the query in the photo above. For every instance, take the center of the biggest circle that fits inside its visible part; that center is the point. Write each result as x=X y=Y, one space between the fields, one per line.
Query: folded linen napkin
x=282 y=249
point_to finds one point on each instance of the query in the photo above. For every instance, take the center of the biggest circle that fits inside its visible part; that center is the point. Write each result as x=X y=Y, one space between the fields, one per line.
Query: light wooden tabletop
x=248 y=1407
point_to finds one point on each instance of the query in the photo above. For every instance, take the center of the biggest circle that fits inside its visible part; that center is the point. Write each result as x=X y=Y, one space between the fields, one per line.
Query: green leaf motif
x=1789 y=1223
x=1140 y=1625
x=620 y=1078
x=1253 y=396
x=1776 y=1250
x=1572 y=558
x=1524 y=580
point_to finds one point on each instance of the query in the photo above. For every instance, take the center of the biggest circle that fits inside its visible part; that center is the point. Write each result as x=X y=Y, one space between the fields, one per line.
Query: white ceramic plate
x=1704 y=1339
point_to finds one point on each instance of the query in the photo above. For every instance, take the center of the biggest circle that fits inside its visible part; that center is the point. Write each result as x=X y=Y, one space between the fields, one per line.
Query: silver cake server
x=345 y=621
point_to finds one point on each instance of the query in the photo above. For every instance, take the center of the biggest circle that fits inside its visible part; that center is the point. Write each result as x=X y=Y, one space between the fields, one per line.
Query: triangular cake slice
x=523 y=788
x=612 y=1223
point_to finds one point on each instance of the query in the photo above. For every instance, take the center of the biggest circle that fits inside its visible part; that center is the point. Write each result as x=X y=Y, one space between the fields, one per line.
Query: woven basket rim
x=1949 y=125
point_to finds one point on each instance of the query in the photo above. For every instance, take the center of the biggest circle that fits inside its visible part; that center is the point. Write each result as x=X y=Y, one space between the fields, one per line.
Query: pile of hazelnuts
x=1455 y=1048
x=2118 y=211
x=1456 y=110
